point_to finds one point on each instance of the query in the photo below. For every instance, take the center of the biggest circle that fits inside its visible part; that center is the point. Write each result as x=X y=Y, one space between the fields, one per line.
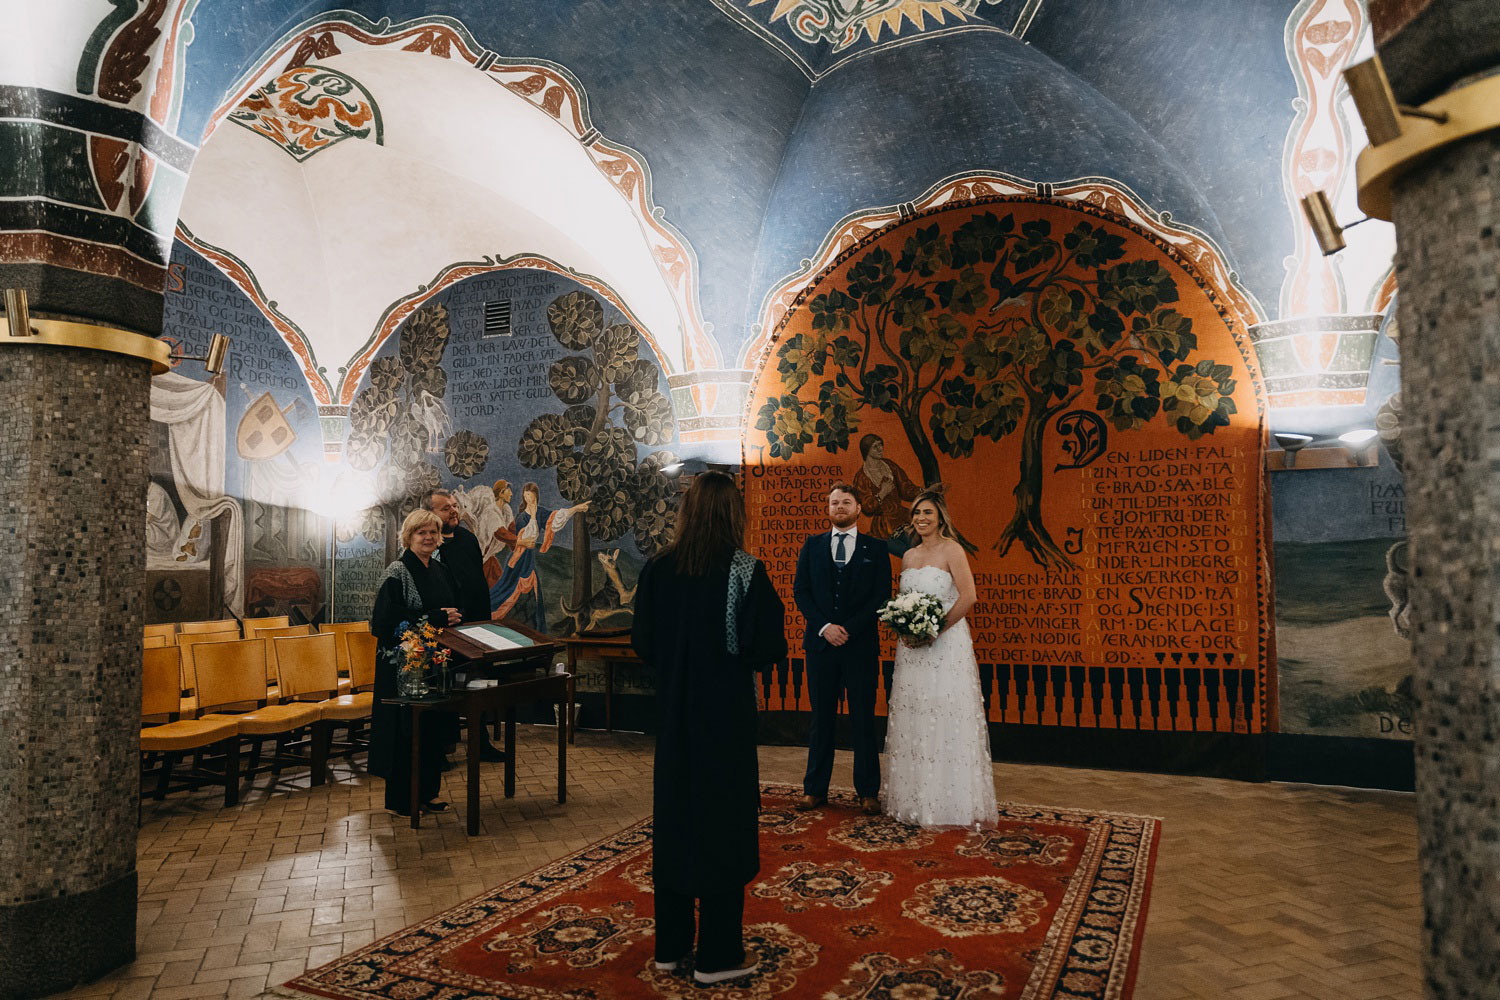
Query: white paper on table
x=485 y=637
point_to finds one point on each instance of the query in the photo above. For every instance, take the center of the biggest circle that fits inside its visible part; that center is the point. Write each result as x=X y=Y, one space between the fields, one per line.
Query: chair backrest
x=164 y=628
x=230 y=673
x=188 y=642
x=156 y=641
x=161 y=674
x=271 y=635
x=305 y=666
x=223 y=624
x=361 y=650
x=341 y=629
x=249 y=625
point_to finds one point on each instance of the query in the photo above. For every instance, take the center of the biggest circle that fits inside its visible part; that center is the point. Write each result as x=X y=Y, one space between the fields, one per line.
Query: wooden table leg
x=562 y=752
x=510 y=751
x=609 y=696
x=572 y=711
x=476 y=732
x=416 y=754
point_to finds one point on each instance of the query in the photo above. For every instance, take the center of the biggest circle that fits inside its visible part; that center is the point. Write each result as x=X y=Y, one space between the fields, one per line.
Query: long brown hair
x=710 y=524
x=935 y=495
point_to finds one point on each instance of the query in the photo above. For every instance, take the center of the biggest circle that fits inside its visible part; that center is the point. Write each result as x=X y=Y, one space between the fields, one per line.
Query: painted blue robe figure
x=532 y=533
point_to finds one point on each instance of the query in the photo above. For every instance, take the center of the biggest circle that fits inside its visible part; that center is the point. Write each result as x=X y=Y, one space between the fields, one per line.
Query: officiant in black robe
x=707 y=619
x=418 y=589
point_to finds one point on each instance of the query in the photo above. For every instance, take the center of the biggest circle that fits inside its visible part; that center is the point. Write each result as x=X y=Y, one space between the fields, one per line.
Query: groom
x=843 y=580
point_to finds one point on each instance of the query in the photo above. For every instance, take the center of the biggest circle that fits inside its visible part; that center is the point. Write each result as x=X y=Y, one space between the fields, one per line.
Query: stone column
x=73 y=471
x=1447 y=215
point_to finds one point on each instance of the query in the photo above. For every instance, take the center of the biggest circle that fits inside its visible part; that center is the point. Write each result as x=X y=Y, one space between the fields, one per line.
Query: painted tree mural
x=594 y=455
x=991 y=331
x=398 y=420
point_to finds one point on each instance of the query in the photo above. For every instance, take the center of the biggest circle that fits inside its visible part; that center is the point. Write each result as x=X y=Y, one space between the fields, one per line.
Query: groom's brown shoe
x=811 y=802
x=871 y=806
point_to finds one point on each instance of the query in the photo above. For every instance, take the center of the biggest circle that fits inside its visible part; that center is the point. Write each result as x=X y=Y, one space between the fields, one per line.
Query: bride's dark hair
x=710 y=525
x=935 y=494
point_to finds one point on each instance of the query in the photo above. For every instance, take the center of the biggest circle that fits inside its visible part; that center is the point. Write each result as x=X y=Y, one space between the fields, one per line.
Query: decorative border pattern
x=552 y=90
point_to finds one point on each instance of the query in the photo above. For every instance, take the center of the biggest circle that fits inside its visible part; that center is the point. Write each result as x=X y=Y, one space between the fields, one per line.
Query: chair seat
x=348 y=706
x=272 y=719
x=188 y=734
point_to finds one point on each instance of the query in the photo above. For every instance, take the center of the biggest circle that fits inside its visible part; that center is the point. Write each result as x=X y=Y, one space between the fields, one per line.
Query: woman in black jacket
x=707 y=618
x=418 y=589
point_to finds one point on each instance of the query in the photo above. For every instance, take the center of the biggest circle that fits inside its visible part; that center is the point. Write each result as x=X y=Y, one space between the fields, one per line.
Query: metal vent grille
x=497 y=318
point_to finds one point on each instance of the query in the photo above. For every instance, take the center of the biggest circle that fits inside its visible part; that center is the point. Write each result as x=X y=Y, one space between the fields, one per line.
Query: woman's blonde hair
x=934 y=495
x=416 y=521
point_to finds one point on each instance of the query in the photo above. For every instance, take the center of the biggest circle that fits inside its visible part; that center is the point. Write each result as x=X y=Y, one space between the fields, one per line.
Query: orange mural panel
x=1092 y=408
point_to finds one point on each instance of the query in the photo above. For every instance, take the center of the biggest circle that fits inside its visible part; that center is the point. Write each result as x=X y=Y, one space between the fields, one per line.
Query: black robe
x=462 y=555
x=390 y=732
x=707 y=777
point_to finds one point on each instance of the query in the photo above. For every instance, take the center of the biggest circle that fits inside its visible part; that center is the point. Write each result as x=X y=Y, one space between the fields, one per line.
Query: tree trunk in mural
x=989 y=328
x=1026 y=525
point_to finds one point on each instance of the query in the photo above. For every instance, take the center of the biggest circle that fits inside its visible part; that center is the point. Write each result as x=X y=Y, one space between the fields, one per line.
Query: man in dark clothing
x=461 y=553
x=843 y=580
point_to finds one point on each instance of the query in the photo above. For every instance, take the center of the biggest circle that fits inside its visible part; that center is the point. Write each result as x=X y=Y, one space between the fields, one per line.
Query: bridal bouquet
x=913 y=614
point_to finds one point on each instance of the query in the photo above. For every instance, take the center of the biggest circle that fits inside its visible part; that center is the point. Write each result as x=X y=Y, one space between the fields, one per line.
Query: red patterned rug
x=1050 y=904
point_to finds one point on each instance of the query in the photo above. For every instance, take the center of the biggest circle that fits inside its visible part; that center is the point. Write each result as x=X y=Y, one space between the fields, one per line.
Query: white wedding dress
x=937 y=767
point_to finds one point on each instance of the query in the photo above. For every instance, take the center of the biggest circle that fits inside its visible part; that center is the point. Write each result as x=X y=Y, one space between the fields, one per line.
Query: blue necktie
x=838 y=551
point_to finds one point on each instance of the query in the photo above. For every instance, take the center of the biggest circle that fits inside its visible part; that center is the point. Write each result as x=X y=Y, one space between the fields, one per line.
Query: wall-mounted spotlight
x=1291 y=443
x=1326 y=229
x=213 y=361
x=1358 y=443
x=1376 y=103
x=18 y=313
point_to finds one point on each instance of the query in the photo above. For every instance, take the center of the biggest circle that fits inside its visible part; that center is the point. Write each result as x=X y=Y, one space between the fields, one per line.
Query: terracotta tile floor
x=1262 y=891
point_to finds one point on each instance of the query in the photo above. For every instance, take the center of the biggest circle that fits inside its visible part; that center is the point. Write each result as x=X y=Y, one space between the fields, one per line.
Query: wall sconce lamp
x=1291 y=443
x=1402 y=136
x=213 y=361
x=1326 y=229
x=18 y=313
x=1359 y=444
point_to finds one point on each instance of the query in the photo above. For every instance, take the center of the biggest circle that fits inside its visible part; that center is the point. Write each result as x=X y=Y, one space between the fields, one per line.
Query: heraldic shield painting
x=1089 y=402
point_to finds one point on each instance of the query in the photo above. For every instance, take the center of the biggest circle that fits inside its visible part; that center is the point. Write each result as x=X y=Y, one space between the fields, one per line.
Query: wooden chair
x=168 y=629
x=158 y=641
x=342 y=629
x=307 y=674
x=222 y=625
x=271 y=633
x=361 y=648
x=160 y=697
x=231 y=674
x=249 y=625
x=188 y=642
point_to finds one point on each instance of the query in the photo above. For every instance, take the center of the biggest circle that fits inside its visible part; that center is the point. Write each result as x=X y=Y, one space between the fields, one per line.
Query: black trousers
x=721 y=919
x=429 y=763
x=854 y=677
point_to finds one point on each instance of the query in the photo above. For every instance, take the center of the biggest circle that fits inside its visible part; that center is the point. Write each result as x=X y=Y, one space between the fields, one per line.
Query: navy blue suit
x=851 y=598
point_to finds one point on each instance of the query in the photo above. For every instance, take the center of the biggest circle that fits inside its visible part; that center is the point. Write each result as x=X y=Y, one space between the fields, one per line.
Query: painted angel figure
x=532 y=534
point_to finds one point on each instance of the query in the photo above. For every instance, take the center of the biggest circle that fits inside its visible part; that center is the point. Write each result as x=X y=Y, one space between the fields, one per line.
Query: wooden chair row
x=247 y=628
x=251 y=689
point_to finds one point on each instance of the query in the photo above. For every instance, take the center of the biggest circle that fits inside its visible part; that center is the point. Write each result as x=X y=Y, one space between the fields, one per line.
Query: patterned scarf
x=741 y=568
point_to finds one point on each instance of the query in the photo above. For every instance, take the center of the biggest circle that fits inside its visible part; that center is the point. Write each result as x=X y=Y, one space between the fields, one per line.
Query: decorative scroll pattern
x=309 y=109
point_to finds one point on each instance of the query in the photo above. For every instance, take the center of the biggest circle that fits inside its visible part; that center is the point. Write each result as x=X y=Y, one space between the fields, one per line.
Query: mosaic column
x=73 y=447
x=1447 y=215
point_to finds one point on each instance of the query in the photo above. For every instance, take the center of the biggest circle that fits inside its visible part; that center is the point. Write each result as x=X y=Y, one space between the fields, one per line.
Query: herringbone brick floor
x=1261 y=892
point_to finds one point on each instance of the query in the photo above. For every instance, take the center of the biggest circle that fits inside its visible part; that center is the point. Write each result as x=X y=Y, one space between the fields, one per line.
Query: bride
x=937 y=744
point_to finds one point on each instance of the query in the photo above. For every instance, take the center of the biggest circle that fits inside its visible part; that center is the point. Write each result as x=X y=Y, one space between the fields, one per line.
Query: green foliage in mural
x=595 y=456
x=991 y=331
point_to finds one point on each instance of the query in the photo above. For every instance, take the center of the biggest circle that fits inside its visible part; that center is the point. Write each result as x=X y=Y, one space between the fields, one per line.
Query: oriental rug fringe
x=1050 y=904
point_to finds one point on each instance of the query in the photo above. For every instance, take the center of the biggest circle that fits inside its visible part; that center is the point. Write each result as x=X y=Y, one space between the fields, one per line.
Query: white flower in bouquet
x=914 y=614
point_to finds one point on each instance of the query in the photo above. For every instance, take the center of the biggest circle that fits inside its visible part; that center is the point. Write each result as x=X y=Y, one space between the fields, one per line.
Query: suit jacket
x=464 y=559
x=869 y=583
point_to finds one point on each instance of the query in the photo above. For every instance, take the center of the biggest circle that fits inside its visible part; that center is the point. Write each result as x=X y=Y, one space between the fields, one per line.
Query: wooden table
x=612 y=649
x=524 y=677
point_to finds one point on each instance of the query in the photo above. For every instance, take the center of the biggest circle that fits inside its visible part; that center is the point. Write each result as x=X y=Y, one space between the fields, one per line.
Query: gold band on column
x=1468 y=111
x=66 y=333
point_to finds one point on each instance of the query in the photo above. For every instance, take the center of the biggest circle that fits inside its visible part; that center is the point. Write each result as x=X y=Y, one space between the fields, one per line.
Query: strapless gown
x=937 y=766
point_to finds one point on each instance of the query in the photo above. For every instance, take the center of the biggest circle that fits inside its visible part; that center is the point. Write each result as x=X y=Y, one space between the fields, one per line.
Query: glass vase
x=412 y=683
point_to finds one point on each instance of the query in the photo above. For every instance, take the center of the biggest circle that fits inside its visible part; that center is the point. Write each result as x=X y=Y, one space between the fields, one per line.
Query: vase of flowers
x=420 y=661
x=915 y=616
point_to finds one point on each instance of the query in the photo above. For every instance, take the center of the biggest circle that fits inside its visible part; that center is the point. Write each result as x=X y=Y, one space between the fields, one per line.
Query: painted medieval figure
x=706 y=619
x=882 y=488
x=532 y=534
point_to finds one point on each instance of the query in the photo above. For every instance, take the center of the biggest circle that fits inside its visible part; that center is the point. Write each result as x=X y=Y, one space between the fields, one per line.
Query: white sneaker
x=667 y=966
x=735 y=973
